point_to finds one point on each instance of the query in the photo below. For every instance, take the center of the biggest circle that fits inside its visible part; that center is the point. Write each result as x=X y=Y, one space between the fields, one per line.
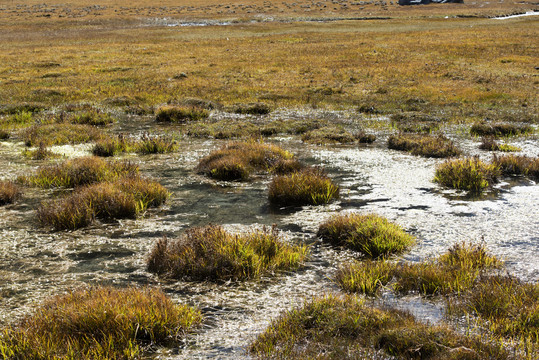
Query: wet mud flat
x=37 y=263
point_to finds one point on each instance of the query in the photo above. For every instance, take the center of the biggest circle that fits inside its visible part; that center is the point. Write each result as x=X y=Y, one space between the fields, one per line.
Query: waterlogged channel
x=35 y=264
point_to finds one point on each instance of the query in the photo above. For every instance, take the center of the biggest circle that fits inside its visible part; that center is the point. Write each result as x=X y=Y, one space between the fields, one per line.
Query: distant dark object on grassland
x=425 y=2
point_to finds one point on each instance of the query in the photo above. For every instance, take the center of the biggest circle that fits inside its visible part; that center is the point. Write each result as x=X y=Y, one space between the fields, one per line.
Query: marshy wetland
x=269 y=179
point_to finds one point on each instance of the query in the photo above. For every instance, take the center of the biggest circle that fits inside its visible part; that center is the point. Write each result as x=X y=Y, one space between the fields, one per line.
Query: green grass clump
x=237 y=160
x=469 y=174
x=61 y=134
x=328 y=135
x=224 y=129
x=489 y=143
x=99 y=323
x=17 y=120
x=499 y=129
x=211 y=253
x=518 y=165
x=309 y=186
x=93 y=117
x=123 y=199
x=80 y=171
x=344 y=327
x=365 y=277
x=503 y=304
x=370 y=234
x=179 y=114
x=9 y=192
x=424 y=145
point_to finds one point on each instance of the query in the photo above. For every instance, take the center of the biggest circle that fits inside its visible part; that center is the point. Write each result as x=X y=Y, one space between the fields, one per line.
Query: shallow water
x=35 y=264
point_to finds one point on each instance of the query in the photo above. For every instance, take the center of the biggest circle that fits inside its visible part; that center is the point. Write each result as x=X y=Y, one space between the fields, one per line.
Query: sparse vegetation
x=309 y=186
x=370 y=234
x=123 y=199
x=179 y=114
x=237 y=160
x=99 y=323
x=9 y=192
x=80 y=171
x=499 y=129
x=344 y=327
x=469 y=174
x=424 y=145
x=211 y=253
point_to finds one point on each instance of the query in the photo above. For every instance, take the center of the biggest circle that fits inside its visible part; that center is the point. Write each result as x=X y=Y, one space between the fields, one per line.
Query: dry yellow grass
x=417 y=60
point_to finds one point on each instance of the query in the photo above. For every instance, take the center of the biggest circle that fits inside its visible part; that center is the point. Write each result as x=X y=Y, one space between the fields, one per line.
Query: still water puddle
x=35 y=264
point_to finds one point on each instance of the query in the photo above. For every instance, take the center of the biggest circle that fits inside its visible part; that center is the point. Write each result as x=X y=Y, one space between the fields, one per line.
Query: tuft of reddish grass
x=370 y=234
x=211 y=253
x=80 y=171
x=9 y=192
x=424 y=145
x=518 y=165
x=100 y=323
x=237 y=160
x=180 y=114
x=309 y=186
x=125 y=198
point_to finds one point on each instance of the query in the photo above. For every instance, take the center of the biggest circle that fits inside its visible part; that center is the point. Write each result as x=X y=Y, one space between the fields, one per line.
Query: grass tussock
x=224 y=129
x=329 y=135
x=489 y=143
x=500 y=129
x=415 y=123
x=365 y=277
x=252 y=109
x=344 y=327
x=93 y=117
x=470 y=174
x=504 y=305
x=424 y=145
x=211 y=253
x=294 y=127
x=9 y=192
x=41 y=153
x=180 y=114
x=149 y=144
x=100 y=323
x=61 y=134
x=80 y=171
x=518 y=165
x=309 y=186
x=17 y=120
x=4 y=135
x=123 y=199
x=111 y=146
x=237 y=160
x=370 y=234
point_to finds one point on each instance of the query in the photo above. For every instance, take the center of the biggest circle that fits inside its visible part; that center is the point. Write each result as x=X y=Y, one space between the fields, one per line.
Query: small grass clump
x=252 y=109
x=505 y=305
x=123 y=199
x=17 y=120
x=328 y=135
x=180 y=114
x=518 y=165
x=365 y=138
x=155 y=145
x=489 y=143
x=61 y=134
x=415 y=123
x=470 y=174
x=41 y=153
x=424 y=145
x=4 y=135
x=111 y=146
x=499 y=129
x=80 y=171
x=211 y=253
x=93 y=117
x=224 y=129
x=309 y=186
x=237 y=160
x=365 y=277
x=9 y=192
x=372 y=235
x=295 y=127
x=100 y=323
x=344 y=327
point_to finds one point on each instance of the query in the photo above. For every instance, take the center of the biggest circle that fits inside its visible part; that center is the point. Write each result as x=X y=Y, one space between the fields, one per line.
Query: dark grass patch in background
x=61 y=134
x=211 y=253
x=424 y=145
x=499 y=129
x=100 y=323
x=180 y=114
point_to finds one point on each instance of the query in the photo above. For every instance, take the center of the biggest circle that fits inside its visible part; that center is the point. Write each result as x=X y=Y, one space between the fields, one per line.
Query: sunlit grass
x=469 y=174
